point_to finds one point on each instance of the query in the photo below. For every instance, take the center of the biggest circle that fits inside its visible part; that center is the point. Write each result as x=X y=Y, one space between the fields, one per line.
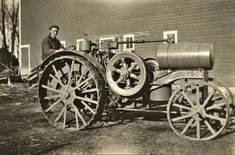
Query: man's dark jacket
x=50 y=45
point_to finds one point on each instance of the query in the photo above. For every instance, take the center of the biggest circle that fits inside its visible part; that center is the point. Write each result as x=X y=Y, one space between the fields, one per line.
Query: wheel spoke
x=85 y=86
x=179 y=97
x=83 y=82
x=208 y=99
x=70 y=73
x=53 y=105
x=209 y=127
x=188 y=99
x=51 y=97
x=128 y=82
x=67 y=66
x=50 y=88
x=119 y=79
x=132 y=67
x=117 y=70
x=64 y=122
x=77 y=67
x=57 y=75
x=80 y=78
x=217 y=98
x=133 y=76
x=198 y=129
x=57 y=80
x=181 y=117
x=86 y=100
x=215 y=106
x=187 y=126
x=222 y=120
x=76 y=119
x=89 y=108
x=181 y=106
x=124 y=64
x=177 y=112
x=79 y=115
x=60 y=114
x=89 y=90
x=197 y=95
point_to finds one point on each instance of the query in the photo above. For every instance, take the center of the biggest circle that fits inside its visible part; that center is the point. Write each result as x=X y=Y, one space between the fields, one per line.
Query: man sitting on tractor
x=51 y=44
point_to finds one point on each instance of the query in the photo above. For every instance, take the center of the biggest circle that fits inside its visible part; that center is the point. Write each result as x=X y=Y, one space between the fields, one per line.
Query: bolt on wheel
x=71 y=93
x=198 y=111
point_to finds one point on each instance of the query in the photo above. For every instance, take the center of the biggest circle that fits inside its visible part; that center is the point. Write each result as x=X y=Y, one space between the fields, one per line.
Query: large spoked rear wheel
x=71 y=93
x=198 y=111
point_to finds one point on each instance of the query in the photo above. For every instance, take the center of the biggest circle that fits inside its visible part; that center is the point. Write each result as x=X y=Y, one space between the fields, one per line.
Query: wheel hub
x=68 y=95
x=198 y=111
x=125 y=73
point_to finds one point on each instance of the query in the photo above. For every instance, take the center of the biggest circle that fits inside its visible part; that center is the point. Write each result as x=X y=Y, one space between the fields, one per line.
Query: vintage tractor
x=77 y=87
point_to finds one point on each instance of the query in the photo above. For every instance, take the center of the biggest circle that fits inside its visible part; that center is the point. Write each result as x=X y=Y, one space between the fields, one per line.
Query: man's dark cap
x=54 y=26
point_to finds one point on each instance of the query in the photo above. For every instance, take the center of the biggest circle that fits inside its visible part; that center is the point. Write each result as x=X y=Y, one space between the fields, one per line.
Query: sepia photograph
x=117 y=77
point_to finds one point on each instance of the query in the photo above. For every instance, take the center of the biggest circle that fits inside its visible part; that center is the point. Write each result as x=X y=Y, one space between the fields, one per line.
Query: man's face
x=53 y=32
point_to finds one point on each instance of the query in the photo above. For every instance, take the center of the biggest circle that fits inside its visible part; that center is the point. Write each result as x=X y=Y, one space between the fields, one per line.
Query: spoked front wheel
x=198 y=111
x=71 y=93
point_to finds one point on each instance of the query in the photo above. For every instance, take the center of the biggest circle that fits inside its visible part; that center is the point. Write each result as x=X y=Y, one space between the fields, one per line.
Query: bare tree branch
x=3 y=29
x=9 y=22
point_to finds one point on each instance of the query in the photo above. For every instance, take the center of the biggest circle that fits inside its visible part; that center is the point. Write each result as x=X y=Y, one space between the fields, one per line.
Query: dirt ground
x=24 y=130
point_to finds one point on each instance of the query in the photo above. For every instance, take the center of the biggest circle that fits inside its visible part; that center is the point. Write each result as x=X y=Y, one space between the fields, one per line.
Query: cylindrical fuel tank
x=185 y=56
